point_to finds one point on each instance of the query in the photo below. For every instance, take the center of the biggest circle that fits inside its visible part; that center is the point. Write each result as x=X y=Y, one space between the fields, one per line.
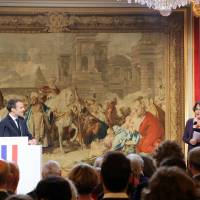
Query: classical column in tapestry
x=196 y=58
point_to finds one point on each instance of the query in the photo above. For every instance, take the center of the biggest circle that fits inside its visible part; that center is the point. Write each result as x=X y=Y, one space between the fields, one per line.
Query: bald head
x=4 y=171
x=51 y=168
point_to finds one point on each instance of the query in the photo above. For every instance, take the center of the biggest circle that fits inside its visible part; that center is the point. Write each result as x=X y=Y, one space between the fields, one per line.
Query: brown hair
x=84 y=177
x=170 y=183
x=167 y=149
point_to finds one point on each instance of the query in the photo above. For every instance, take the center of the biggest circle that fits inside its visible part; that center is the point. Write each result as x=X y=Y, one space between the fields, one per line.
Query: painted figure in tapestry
x=38 y=120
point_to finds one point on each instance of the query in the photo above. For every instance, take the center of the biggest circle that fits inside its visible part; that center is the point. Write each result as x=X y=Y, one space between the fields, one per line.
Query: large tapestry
x=93 y=83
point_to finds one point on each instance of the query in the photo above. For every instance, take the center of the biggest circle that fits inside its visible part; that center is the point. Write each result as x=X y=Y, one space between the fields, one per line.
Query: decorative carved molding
x=54 y=22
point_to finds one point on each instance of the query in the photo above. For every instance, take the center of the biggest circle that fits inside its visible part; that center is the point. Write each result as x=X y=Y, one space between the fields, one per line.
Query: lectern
x=27 y=157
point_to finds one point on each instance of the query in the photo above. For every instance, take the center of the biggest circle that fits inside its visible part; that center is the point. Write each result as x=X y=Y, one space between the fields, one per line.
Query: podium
x=28 y=159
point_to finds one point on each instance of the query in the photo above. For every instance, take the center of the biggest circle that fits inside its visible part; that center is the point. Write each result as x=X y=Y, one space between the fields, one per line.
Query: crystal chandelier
x=164 y=6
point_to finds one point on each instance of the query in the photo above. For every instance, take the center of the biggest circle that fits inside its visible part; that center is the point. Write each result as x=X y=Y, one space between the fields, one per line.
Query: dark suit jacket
x=8 y=128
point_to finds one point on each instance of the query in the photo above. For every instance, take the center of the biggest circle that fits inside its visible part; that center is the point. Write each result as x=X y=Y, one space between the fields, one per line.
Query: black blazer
x=8 y=128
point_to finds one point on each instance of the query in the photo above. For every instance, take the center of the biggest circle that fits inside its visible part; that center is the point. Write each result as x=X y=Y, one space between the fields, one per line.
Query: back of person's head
x=4 y=172
x=194 y=158
x=84 y=177
x=170 y=183
x=167 y=149
x=98 y=162
x=173 y=162
x=12 y=104
x=115 y=171
x=19 y=197
x=54 y=187
x=149 y=166
x=137 y=164
x=51 y=168
x=13 y=177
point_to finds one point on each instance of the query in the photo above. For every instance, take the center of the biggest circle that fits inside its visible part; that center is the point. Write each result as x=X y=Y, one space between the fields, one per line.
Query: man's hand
x=32 y=142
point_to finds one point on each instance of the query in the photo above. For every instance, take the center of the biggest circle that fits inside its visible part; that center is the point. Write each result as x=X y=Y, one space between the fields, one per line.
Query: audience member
x=170 y=183
x=85 y=178
x=194 y=164
x=4 y=172
x=54 y=187
x=19 y=197
x=51 y=168
x=167 y=149
x=173 y=162
x=149 y=165
x=139 y=181
x=98 y=162
x=115 y=174
x=137 y=164
x=13 y=178
x=98 y=191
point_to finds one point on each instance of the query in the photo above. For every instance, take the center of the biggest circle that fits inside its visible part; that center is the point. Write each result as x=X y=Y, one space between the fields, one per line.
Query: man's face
x=34 y=100
x=19 y=110
x=139 y=108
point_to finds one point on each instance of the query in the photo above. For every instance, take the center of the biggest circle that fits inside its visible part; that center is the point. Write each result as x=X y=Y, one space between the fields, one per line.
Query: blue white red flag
x=9 y=152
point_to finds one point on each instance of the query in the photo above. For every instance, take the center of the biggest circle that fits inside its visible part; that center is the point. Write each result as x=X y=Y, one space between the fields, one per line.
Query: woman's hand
x=193 y=141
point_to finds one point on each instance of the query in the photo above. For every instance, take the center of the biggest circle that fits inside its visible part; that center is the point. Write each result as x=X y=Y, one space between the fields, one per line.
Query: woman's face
x=197 y=111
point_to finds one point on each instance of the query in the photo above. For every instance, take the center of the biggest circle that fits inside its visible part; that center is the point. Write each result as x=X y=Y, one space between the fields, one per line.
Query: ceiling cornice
x=65 y=3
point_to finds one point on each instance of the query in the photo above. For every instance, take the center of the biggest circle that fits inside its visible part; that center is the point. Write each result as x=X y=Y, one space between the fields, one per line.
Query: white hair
x=51 y=168
x=98 y=162
x=137 y=163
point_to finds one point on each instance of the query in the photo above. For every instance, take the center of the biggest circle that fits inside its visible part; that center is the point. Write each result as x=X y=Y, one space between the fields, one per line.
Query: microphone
x=195 y=123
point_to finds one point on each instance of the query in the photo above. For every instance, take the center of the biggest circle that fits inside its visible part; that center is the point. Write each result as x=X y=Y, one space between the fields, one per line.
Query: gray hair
x=137 y=163
x=51 y=168
x=98 y=162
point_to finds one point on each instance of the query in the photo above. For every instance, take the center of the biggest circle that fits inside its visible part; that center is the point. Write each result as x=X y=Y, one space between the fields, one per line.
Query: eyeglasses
x=197 y=109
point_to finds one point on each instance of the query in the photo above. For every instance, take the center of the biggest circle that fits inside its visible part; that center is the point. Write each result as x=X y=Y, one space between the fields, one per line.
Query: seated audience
x=51 y=168
x=4 y=172
x=139 y=181
x=149 y=165
x=115 y=174
x=194 y=164
x=19 y=197
x=55 y=188
x=167 y=149
x=98 y=162
x=170 y=183
x=13 y=178
x=98 y=191
x=85 y=179
x=173 y=162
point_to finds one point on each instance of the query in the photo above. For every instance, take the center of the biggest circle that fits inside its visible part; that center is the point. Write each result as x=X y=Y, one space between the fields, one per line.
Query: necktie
x=19 y=130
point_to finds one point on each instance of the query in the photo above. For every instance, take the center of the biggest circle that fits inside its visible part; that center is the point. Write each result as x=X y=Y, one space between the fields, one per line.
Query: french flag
x=9 y=152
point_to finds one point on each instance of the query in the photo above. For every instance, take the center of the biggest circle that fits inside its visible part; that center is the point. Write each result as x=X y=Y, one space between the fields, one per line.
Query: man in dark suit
x=115 y=174
x=13 y=124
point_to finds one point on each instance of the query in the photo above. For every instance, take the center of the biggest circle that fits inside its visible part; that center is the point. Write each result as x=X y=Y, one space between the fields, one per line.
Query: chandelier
x=165 y=7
